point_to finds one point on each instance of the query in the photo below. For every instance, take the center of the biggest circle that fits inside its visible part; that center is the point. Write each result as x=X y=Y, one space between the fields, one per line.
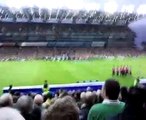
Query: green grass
x=35 y=72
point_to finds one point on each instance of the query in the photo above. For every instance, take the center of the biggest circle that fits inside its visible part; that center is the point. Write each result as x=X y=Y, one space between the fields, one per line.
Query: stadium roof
x=105 y=12
x=137 y=6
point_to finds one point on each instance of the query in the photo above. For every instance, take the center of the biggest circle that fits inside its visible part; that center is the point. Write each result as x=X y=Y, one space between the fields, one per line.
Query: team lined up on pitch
x=121 y=70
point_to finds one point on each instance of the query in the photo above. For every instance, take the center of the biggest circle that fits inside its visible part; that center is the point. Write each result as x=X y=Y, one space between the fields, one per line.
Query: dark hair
x=112 y=89
x=63 y=94
x=77 y=96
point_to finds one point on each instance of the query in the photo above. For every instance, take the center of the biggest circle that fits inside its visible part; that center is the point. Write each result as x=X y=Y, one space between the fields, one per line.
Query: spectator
x=63 y=109
x=123 y=94
x=37 y=107
x=111 y=105
x=38 y=100
x=63 y=94
x=90 y=100
x=88 y=89
x=76 y=96
x=134 y=109
x=25 y=105
x=6 y=100
x=47 y=100
x=99 y=96
x=16 y=96
x=83 y=97
x=7 y=113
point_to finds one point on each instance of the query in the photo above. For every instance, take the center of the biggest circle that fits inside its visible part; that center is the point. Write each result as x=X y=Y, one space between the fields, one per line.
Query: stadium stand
x=83 y=103
x=64 y=35
x=32 y=33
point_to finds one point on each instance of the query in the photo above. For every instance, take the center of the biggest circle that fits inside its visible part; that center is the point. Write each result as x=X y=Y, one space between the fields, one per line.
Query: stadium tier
x=64 y=35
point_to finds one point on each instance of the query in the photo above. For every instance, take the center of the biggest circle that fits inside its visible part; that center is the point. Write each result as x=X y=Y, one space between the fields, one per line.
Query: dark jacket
x=131 y=113
x=84 y=112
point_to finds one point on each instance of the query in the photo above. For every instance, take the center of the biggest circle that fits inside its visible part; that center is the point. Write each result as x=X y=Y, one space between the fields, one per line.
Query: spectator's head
x=31 y=94
x=38 y=99
x=83 y=96
x=25 y=104
x=63 y=109
x=90 y=98
x=76 y=96
x=7 y=113
x=63 y=94
x=98 y=92
x=57 y=94
x=6 y=100
x=111 y=89
x=95 y=97
x=88 y=89
x=16 y=97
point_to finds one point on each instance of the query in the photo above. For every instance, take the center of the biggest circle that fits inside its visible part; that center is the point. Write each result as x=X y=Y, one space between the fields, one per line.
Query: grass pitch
x=35 y=72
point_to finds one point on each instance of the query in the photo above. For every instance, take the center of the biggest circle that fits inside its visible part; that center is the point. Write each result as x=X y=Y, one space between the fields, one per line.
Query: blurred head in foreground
x=6 y=100
x=63 y=109
x=7 y=113
x=25 y=106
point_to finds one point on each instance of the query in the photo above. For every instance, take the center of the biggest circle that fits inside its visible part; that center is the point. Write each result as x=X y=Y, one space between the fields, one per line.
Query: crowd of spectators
x=45 y=32
x=29 y=53
x=113 y=102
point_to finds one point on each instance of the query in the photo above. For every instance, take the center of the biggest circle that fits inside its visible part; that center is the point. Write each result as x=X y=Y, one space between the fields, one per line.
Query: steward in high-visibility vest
x=45 y=87
x=136 y=81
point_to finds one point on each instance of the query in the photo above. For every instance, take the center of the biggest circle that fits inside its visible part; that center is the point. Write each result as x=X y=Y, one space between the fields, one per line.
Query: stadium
x=65 y=51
